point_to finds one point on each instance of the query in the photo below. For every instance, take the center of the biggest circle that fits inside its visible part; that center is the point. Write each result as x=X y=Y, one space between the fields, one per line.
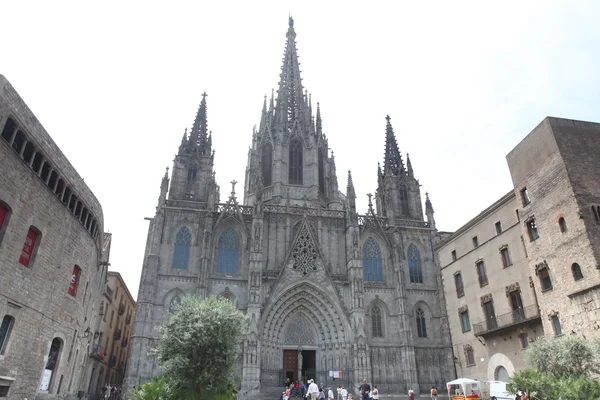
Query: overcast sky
x=116 y=83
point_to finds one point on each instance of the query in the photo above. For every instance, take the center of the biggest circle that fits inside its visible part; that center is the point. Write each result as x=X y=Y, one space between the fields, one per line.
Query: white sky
x=116 y=82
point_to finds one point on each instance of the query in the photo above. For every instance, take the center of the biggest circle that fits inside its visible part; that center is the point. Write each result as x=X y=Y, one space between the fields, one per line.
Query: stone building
x=555 y=175
x=492 y=304
x=327 y=291
x=110 y=347
x=50 y=260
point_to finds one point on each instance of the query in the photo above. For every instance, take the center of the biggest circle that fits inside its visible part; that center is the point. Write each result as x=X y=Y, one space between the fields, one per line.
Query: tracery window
x=266 y=161
x=372 y=261
x=377 y=325
x=228 y=252
x=183 y=242
x=321 y=173
x=421 y=325
x=295 y=162
x=414 y=265
x=175 y=302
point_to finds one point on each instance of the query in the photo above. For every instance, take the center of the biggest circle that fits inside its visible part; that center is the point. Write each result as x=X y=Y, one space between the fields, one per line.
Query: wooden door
x=290 y=364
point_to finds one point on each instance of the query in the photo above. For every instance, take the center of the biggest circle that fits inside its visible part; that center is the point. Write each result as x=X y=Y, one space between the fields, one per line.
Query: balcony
x=507 y=321
x=121 y=309
x=113 y=361
x=98 y=352
x=124 y=342
x=117 y=334
x=128 y=319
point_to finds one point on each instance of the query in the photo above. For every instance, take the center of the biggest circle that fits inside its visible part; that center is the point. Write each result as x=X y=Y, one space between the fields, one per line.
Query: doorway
x=290 y=365
x=309 y=365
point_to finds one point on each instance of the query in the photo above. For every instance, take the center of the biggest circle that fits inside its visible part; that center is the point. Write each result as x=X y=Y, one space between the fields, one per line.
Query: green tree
x=197 y=351
x=561 y=369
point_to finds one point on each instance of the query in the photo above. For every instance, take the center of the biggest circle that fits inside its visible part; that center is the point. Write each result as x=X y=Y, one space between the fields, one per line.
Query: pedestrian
x=321 y=394
x=103 y=391
x=364 y=390
x=302 y=389
x=375 y=393
x=339 y=392
x=330 y=394
x=313 y=390
x=344 y=393
x=433 y=393
x=411 y=394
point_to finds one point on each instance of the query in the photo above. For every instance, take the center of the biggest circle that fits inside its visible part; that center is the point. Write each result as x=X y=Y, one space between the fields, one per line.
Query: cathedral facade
x=330 y=293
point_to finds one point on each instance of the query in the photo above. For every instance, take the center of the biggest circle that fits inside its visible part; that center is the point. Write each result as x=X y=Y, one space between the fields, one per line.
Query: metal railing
x=512 y=318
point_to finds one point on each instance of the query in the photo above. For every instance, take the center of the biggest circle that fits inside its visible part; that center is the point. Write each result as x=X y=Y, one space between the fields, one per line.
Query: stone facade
x=325 y=289
x=555 y=176
x=111 y=345
x=485 y=269
x=50 y=260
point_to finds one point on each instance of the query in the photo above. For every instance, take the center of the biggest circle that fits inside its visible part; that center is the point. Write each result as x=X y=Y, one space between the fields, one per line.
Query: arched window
x=175 y=302
x=183 y=242
x=228 y=252
x=421 y=325
x=414 y=265
x=295 y=162
x=377 y=325
x=192 y=172
x=54 y=354
x=562 y=224
x=5 y=330
x=227 y=296
x=321 y=172
x=404 y=201
x=576 y=270
x=372 y=261
x=266 y=160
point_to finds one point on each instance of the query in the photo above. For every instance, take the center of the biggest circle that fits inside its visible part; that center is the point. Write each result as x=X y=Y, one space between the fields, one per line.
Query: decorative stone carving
x=513 y=287
x=305 y=252
x=299 y=332
x=463 y=309
x=542 y=265
x=486 y=298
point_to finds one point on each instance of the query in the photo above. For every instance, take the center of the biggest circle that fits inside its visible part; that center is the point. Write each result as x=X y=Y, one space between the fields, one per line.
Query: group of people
x=433 y=393
x=111 y=392
x=314 y=392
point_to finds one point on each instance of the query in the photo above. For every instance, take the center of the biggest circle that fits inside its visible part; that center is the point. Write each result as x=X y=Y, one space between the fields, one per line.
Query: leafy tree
x=561 y=369
x=197 y=352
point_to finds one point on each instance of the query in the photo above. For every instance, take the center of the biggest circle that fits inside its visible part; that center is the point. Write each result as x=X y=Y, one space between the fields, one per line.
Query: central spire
x=199 y=134
x=392 y=162
x=290 y=95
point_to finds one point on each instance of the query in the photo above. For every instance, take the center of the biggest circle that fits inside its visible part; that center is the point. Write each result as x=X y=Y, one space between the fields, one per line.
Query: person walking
x=344 y=393
x=364 y=390
x=433 y=393
x=313 y=390
x=411 y=394
x=375 y=393
x=339 y=392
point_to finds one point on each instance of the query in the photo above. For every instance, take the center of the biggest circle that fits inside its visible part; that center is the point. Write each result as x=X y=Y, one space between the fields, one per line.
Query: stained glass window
x=372 y=261
x=421 y=326
x=175 y=302
x=376 y=321
x=414 y=264
x=267 y=163
x=181 y=255
x=295 y=163
x=228 y=252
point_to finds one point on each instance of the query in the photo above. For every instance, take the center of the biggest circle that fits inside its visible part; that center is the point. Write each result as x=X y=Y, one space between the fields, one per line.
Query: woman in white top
x=375 y=393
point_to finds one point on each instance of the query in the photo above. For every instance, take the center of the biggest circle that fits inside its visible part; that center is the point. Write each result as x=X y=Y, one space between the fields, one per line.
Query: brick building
x=492 y=308
x=110 y=347
x=50 y=260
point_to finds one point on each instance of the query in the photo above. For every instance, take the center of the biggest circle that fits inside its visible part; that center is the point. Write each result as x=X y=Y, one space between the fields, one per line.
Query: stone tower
x=330 y=294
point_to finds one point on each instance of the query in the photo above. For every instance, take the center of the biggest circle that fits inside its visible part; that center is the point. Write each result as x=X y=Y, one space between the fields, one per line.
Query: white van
x=498 y=391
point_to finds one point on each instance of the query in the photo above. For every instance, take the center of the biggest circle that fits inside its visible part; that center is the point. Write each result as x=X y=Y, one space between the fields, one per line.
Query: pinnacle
x=392 y=162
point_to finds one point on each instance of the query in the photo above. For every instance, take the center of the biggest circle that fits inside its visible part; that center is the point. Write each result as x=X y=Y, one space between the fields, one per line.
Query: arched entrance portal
x=305 y=334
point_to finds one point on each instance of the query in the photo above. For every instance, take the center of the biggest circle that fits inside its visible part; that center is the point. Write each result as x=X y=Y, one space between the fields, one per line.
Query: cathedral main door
x=290 y=364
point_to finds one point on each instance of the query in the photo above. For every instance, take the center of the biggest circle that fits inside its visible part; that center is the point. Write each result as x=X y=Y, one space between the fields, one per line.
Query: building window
x=4 y=216
x=469 y=355
x=596 y=212
x=453 y=255
x=482 y=275
x=525 y=196
x=562 y=225
x=30 y=246
x=556 y=325
x=458 y=282
x=545 y=279
x=532 y=229
x=5 y=330
x=524 y=340
x=174 y=303
x=74 y=283
x=576 y=270
x=192 y=170
x=505 y=257
x=267 y=163
x=414 y=264
x=421 y=325
x=498 y=227
x=475 y=242
x=372 y=261
x=490 y=315
x=404 y=201
x=321 y=172
x=51 y=365
x=376 y=322
x=181 y=254
x=295 y=160
x=465 y=322
x=228 y=252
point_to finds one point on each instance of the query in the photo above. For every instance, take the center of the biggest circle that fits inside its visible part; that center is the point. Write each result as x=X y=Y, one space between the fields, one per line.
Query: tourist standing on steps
x=313 y=390
x=339 y=392
x=344 y=393
x=330 y=394
x=364 y=390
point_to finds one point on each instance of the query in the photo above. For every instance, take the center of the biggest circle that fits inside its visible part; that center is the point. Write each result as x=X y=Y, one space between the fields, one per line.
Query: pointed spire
x=263 y=117
x=198 y=136
x=184 y=142
x=319 y=124
x=164 y=187
x=392 y=163
x=350 y=193
x=290 y=95
x=409 y=166
x=429 y=211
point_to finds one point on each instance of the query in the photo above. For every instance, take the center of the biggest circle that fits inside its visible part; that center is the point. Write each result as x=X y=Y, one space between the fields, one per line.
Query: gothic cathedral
x=330 y=294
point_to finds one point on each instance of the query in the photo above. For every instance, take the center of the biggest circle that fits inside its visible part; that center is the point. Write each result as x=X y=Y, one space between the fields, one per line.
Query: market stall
x=463 y=389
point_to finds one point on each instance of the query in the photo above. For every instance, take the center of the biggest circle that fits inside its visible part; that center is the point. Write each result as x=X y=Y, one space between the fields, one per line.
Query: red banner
x=28 y=247
x=3 y=214
x=74 y=281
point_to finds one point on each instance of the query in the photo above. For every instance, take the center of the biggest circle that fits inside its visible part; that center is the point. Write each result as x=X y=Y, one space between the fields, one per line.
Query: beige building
x=51 y=246
x=492 y=307
x=110 y=349
x=555 y=172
